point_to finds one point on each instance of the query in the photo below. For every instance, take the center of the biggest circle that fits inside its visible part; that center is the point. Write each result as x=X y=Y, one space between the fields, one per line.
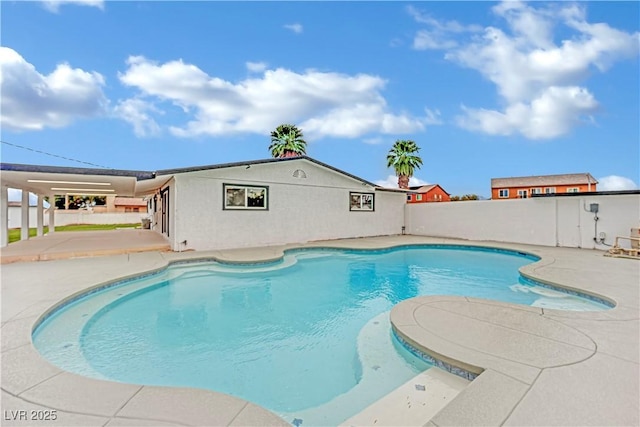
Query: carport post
x=24 y=210
x=4 y=216
x=52 y=214
x=40 y=215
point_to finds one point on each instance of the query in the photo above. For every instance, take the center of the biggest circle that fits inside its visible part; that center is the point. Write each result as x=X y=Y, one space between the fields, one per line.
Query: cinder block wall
x=546 y=221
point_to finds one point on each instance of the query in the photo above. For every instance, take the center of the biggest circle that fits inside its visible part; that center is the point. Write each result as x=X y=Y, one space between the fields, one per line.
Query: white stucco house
x=232 y=205
x=268 y=202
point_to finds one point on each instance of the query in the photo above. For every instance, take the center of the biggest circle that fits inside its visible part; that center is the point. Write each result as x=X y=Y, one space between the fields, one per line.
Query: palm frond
x=287 y=140
x=403 y=157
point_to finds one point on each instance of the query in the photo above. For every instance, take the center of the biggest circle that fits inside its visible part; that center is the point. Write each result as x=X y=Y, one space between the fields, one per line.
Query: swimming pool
x=306 y=337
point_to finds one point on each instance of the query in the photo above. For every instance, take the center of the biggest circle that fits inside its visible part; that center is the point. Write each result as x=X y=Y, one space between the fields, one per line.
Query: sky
x=486 y=89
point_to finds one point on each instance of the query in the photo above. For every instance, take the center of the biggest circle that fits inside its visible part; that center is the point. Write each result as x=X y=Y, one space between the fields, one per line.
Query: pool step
x=414 y=403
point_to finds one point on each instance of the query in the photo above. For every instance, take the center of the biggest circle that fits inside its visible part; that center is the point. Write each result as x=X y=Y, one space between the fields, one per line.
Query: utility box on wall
x=635 y=234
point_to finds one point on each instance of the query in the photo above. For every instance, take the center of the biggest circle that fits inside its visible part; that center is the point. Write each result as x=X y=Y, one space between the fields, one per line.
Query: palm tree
x=404 y=159
x=287 y=141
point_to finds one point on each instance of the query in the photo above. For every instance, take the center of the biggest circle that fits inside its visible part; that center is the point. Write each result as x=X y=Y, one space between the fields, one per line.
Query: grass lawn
x=14 y=233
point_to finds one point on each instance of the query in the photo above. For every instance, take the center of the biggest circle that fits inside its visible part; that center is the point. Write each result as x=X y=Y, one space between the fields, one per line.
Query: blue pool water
x=294 y=336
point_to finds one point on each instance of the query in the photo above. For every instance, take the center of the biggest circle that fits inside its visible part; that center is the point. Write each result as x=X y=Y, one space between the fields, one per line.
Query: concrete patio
x=78 y=244
x=537 y=366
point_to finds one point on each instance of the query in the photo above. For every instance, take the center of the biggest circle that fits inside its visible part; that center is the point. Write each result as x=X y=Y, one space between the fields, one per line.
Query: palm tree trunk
x=403 y=182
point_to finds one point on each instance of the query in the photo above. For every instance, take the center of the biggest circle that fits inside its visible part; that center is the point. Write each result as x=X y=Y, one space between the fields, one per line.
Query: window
x=419 y=197
x=408 y=197
x=573 y=190
x=536 y=191
x=550 y=190
x=361 y=202
x=522 y=194
x=245 y=197
x=130 y=209
x=503 y=194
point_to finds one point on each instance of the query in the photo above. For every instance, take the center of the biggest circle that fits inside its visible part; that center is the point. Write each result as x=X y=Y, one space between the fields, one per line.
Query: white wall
x=547 y=221
x=85 y=217
x=300 y=209
x=15 y=217
x=73 y=217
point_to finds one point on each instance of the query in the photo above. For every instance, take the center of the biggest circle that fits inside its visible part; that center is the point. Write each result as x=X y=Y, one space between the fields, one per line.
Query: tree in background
x=287 y=141
x=404 y=159
x=80 y=201
x=465 y=197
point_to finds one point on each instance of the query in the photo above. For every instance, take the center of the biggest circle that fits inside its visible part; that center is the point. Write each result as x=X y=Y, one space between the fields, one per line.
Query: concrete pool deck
x=77 y=244
x=538 y=366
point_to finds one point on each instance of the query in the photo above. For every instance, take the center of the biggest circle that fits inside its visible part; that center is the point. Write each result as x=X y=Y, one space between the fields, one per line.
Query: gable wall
x=300 y=209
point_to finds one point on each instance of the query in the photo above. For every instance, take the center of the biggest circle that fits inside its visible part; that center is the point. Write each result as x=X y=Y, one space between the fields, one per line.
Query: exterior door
x=164 y=214
x=568 y=222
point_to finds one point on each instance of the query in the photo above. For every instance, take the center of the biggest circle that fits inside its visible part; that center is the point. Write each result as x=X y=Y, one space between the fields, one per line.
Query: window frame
x=573 y=190
x=226 y=207
x=503 y=193
x=353 y=194
x=550 y=190
x=524 y=192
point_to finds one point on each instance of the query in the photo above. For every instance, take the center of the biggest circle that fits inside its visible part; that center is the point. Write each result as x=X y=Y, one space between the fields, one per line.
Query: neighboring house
x=116 y=204
x=128 y=204
x=243 y=204
x=427 y=194
x=526 y=186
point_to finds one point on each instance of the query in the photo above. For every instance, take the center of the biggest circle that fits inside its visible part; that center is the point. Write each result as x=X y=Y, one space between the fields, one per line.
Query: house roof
x=258 y=162
x=39 y=179
x=129 y=201
x=48 y=180
x=544 y=180
x=16 y=167
x=426 y=188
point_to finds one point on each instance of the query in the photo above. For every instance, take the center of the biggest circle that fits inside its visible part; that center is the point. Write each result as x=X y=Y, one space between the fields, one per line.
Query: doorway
x=164 y=213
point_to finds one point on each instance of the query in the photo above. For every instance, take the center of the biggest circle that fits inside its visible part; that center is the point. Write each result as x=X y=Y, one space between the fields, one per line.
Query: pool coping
x=28 y=379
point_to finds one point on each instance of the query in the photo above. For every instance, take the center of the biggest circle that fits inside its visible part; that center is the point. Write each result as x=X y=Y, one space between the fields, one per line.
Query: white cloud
x=550 y=115
x=540 y=81
x=352 y=121
x=616 y=183
x=429 y=40
x=136 y=112
x=256 y=67
x=531 y=26
x=321 y=103
x=432 y=117
x=296 y=28
x=443 y=26
x=438 y=34
x=54 y=5
x=392 y=182
x=33 y=101
x=15 y=195
x=374 y=141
